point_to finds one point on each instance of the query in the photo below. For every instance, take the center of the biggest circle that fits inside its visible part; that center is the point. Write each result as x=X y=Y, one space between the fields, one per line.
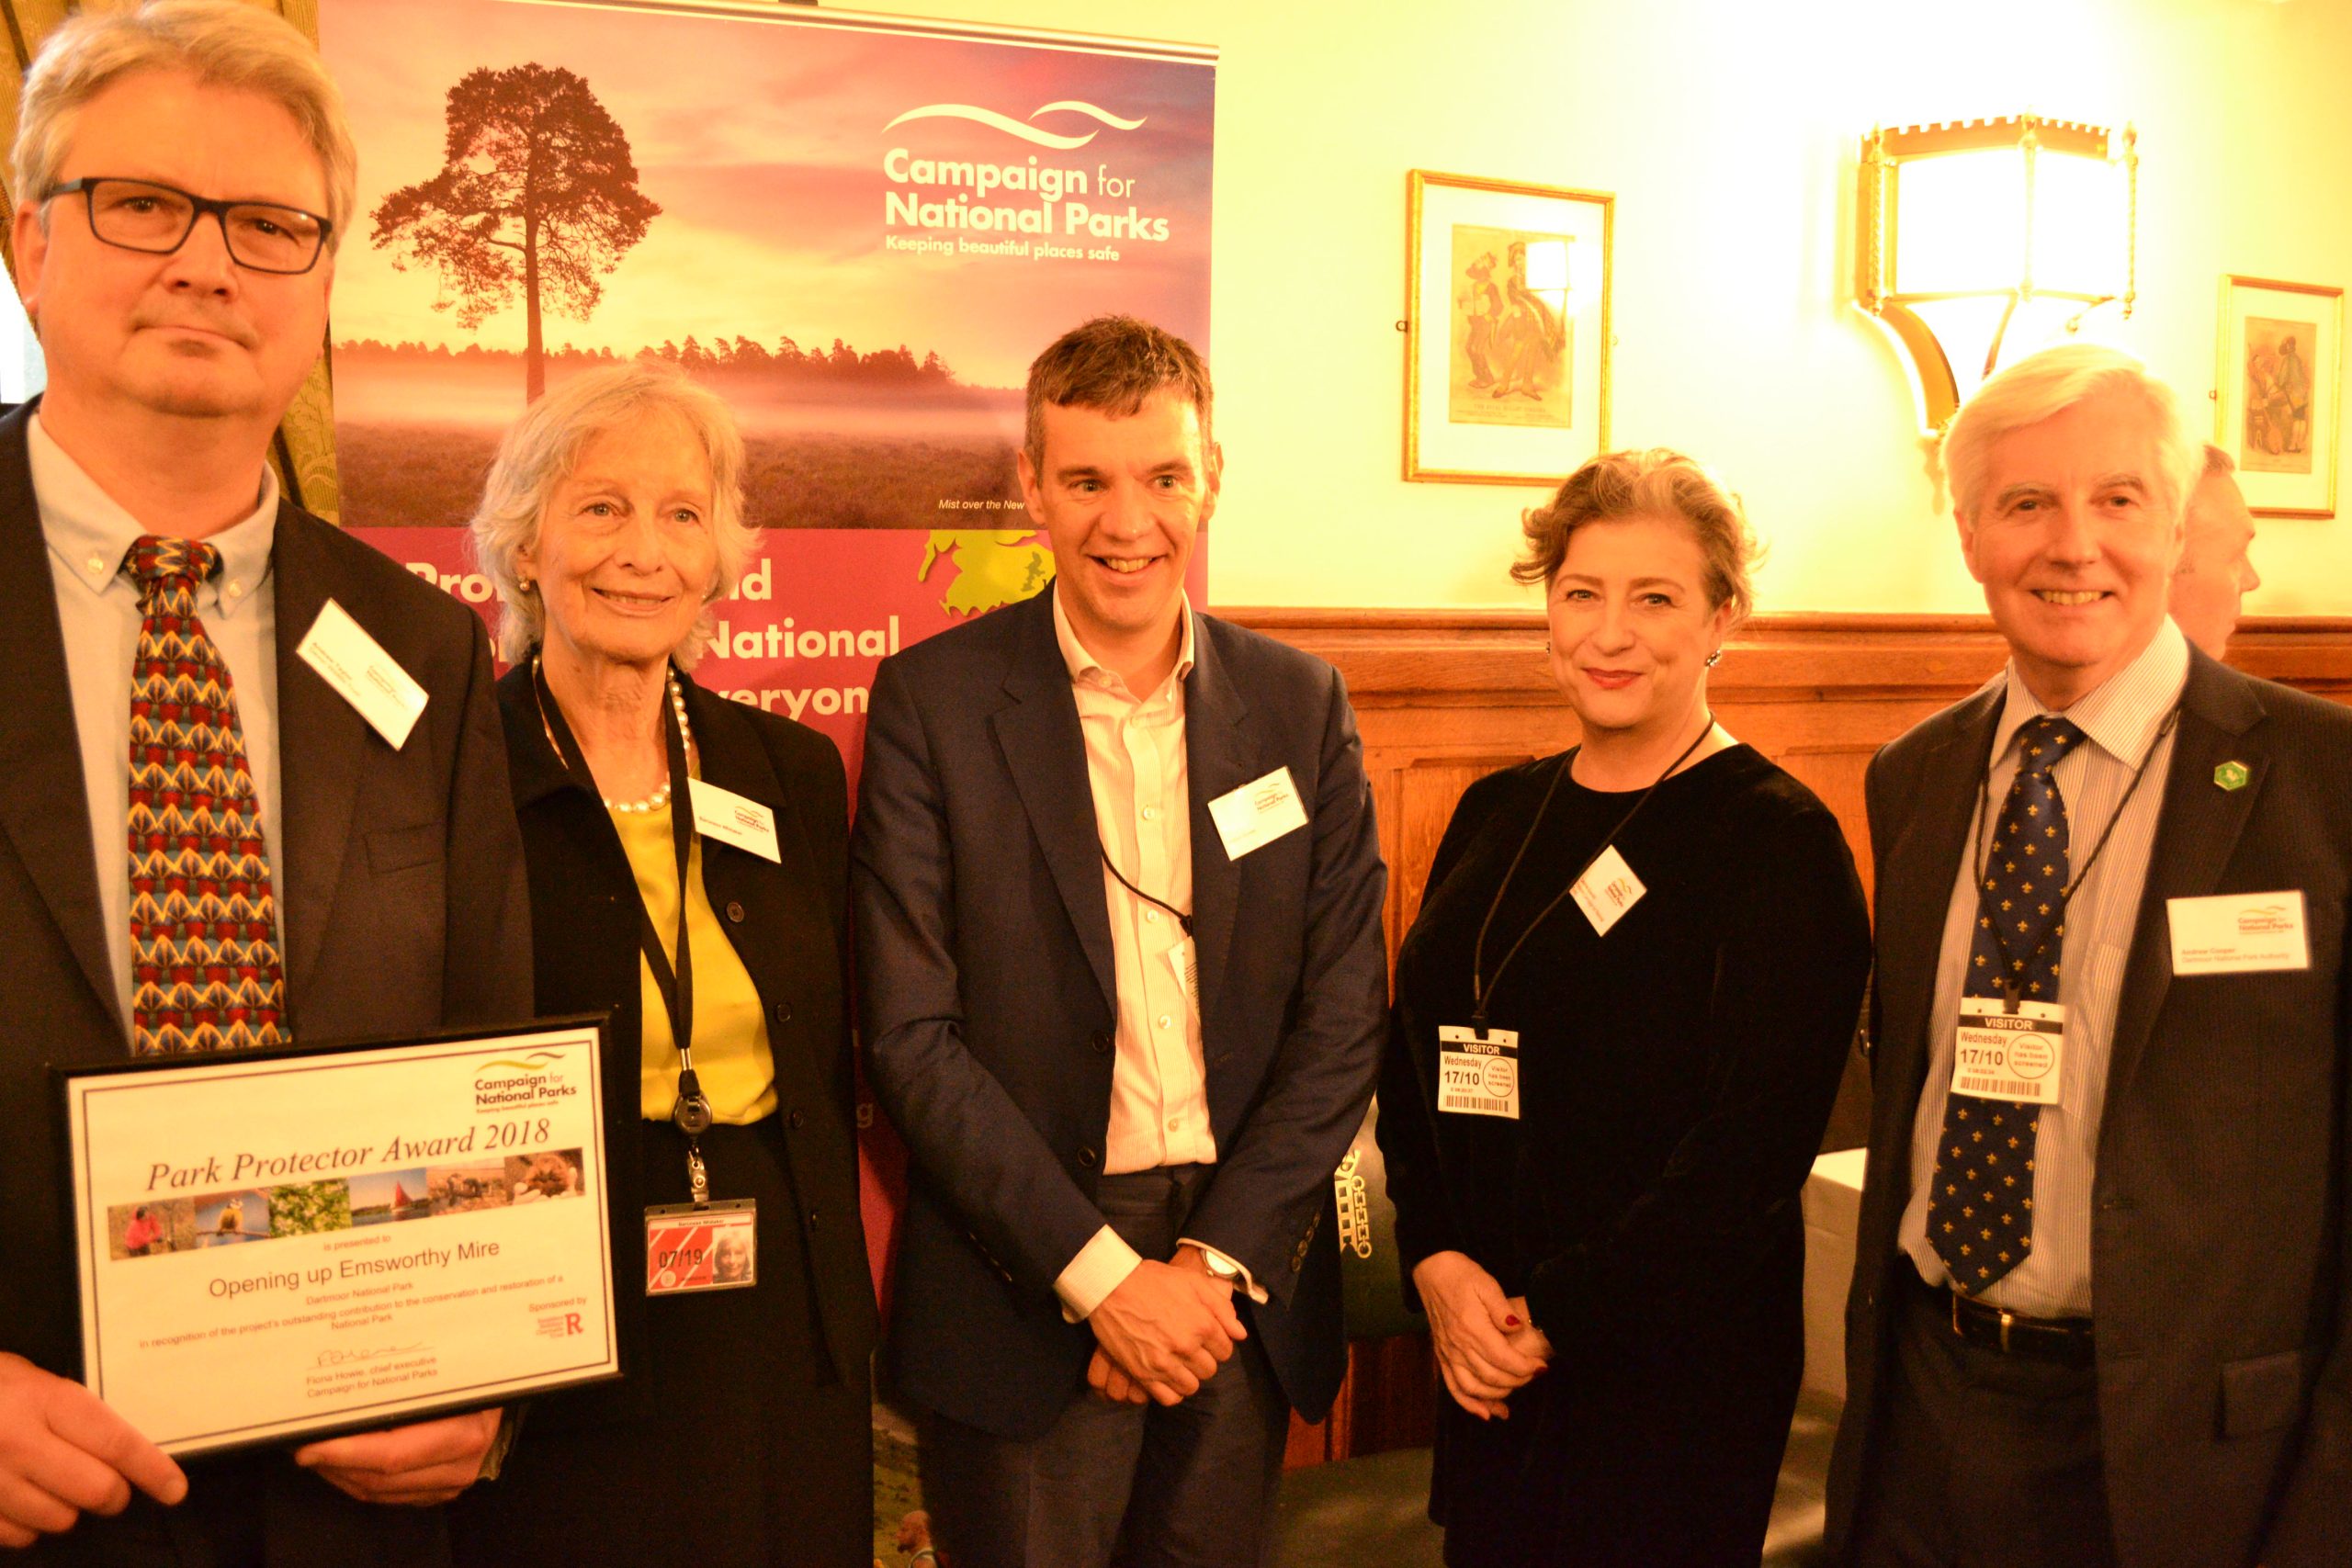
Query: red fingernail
x=1510 y=1320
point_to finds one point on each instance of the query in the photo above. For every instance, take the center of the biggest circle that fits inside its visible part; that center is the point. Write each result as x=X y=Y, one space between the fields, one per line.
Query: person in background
x=1620 y=1020
x=611 y=521
x=183 y=173
x=2215 y=574
x=2100 y=1312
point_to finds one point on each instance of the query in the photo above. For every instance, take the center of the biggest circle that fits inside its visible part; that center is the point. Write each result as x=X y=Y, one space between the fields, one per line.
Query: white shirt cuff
x=1101 y=1267
x=1249 y=1285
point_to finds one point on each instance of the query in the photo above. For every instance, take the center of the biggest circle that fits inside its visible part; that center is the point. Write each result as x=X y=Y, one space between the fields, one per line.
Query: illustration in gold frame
x=1506 y=338
x=2278 y=387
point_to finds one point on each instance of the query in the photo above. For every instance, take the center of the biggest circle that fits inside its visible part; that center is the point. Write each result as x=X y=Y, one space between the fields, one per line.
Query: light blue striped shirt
x=2123 y=719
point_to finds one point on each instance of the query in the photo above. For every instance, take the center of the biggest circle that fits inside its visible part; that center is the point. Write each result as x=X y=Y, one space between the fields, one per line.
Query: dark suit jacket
x=401 y=892
x=988 y=994
x=788 y=923
x=2219 y=1237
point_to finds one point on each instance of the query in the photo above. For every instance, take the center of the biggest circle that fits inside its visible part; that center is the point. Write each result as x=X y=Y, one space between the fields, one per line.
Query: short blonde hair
x=220 y=42
x=538 y=453
x=1658 y=483
x=2045 y=385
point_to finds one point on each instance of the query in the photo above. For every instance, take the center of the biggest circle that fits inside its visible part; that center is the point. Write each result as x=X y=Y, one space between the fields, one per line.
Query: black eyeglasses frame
x=199 y=206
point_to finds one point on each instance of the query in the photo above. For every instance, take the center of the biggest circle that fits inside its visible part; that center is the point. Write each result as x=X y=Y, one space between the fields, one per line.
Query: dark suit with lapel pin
x=2220 y=1260
x=988 y=993
x=402 y=903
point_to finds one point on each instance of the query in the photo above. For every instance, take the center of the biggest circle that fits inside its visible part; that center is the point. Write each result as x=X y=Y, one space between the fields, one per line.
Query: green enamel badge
x=2231 y=775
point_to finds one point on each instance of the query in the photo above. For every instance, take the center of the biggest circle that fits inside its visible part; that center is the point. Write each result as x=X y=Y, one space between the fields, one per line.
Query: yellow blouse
x=733 y=1055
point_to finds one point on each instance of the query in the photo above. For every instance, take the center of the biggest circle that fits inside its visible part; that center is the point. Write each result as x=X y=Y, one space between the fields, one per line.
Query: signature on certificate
x=341 y=1358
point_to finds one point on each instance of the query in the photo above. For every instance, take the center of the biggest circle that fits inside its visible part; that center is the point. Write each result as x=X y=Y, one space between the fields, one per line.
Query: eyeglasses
x=140 y=215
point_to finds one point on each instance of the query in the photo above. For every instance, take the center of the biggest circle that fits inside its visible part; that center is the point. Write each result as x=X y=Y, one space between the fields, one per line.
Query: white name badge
x=1477 y=1073
x=1257 y=813
x=2239 y=934
x=367 y=677
x=732 y=818
x=2017 y=1056
x=1607 y=890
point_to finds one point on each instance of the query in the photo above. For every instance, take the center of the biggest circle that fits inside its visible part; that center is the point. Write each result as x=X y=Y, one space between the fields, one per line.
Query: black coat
x=788 y=923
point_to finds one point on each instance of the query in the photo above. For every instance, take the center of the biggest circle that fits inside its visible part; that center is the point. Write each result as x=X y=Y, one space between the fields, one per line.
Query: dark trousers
x=1138 y=1486
x=1989 y=1461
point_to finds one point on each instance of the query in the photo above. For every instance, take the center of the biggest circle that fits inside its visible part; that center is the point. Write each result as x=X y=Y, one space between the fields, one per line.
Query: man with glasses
x=182 y=174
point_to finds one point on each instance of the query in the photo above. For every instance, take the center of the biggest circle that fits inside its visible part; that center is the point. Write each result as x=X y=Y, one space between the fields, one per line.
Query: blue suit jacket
x=988 y=998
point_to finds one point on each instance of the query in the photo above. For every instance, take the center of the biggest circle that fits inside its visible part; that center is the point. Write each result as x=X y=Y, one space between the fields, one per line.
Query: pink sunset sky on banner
x=763 y=138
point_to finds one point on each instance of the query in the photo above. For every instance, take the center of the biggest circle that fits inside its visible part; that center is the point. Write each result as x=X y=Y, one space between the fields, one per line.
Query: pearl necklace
x=660 y=797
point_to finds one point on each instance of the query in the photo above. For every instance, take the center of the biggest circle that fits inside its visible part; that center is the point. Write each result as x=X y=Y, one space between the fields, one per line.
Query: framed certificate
x=273 y=1246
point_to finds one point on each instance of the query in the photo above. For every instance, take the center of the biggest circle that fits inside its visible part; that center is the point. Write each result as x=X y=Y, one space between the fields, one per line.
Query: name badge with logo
x=1478 y=1071
x=734 y=820
x=708 y=1247
x=1257 y=813
x=2239 y=934
x=362 y=673
x=2018 y=1056
x=1607 y=890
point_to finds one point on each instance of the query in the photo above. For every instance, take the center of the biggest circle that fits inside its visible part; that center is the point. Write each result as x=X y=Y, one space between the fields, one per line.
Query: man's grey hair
x=2217 y=460
x=2042 y=386
x=538 y=453
x=221 y=43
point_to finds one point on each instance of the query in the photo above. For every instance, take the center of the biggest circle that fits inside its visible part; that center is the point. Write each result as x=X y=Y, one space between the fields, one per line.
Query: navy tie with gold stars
x=1980 y=1208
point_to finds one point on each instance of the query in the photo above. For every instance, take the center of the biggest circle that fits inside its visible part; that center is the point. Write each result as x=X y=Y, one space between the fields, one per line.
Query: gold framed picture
x=2277 y=389
x=1506 y=338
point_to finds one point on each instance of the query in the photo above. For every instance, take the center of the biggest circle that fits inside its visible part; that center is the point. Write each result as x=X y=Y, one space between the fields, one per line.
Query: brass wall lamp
x=1990 y=238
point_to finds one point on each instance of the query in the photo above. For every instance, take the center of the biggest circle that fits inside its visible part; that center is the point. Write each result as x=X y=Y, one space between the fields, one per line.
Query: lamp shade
x=1983 y=240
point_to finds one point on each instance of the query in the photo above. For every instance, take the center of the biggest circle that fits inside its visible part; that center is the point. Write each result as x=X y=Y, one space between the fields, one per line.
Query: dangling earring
x=1713 y=657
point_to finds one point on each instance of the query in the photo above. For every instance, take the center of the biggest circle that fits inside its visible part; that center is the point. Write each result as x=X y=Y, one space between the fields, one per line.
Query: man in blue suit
x=1118 y=892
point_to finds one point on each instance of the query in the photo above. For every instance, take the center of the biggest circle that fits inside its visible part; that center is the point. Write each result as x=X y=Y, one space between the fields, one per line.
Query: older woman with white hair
x=688 y=869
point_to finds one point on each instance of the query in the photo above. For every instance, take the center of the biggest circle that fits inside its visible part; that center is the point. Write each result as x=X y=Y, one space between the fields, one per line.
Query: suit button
x=812 y=1219
x=735 y=911
x=1103 y=1041
x=784 y=1012
x=1087 y=1159
x=793 y=1119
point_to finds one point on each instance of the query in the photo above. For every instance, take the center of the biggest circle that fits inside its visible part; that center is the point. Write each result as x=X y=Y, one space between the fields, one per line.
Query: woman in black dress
x=1620 y=1020
x=742 y=1431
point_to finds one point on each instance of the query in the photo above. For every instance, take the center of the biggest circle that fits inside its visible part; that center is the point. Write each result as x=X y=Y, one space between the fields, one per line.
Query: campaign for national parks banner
x=858 y=230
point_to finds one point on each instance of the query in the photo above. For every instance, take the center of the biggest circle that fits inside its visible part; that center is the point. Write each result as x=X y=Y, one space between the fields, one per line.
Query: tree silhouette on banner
x=537 y=192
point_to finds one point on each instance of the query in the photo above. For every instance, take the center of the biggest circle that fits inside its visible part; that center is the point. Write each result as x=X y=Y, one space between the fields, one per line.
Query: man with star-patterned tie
x=203 y=847
x=2101 y=1284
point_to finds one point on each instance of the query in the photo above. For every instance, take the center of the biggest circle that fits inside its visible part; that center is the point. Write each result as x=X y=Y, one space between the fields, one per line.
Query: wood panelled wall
x=1445 y=696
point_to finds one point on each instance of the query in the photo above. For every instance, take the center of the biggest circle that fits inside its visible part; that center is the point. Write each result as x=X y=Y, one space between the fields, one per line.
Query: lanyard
x=1182 y=919
x=692 y=1111
x=2010 y=988
x=1480 y=995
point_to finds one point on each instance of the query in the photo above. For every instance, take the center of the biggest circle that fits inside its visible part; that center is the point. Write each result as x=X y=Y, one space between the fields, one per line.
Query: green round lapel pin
x=2231 y=775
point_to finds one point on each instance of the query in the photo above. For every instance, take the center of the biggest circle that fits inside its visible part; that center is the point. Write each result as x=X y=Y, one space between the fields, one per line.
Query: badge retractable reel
x=704 y=1244
x=1478 y=1066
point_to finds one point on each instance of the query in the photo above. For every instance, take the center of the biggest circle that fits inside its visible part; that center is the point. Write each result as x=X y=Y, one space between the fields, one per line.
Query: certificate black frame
x=616 y=1117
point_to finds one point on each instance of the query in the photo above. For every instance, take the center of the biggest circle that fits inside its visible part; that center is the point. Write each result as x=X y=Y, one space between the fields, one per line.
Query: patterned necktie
x=1979 y=1205
x=204 y=964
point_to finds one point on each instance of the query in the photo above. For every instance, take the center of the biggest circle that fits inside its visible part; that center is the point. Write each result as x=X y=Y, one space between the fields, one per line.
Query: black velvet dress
x=1676 y=1075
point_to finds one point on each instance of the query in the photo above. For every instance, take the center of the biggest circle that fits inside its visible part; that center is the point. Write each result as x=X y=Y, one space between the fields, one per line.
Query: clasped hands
x=1164 y=1332
x=64 y=1452
x=1487 y=1348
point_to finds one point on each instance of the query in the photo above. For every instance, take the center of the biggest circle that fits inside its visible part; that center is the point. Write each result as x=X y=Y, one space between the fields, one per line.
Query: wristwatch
x=1220 y=1266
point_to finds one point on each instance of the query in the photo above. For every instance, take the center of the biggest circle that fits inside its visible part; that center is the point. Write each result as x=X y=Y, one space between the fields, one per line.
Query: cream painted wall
x=1728 y=130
